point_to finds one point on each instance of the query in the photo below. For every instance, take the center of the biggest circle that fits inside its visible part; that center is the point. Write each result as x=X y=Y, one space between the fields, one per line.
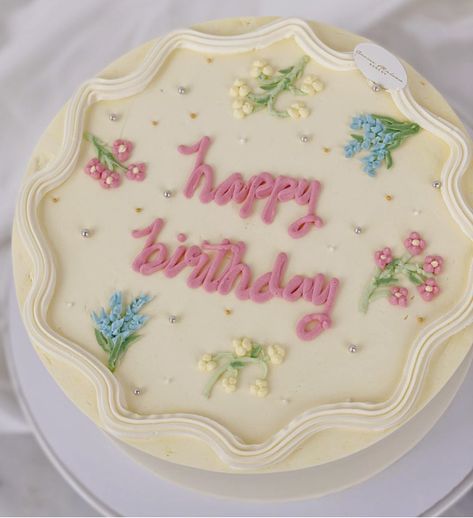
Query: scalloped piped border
x=119 y=421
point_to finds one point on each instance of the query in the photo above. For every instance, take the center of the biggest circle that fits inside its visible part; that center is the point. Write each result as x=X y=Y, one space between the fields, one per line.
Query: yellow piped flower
x=242 y=108
x=311 y=85
x=260 y=388
x=239 y=89
x=207 y=363
x=298 y=111
x=260 y=67
x=242 y=347
x=229 y=384
x=276 y=354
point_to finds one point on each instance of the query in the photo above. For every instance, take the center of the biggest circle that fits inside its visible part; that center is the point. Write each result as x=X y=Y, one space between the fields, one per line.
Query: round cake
x=247 y=247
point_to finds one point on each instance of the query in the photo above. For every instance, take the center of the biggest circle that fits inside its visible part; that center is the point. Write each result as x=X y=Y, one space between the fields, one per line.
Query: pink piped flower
x=110 y=179
x=433 y=264
x=136 y=172
x=383 y=257
x=122 y=149
x=414 y=243
x=94 y=168
x=429 y=289
x=399 y=296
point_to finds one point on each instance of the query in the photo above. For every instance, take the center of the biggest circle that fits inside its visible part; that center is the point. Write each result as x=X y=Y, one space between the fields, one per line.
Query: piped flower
x=136 y=172
x=122 y=149
x=110 y=179
x=207 y=363
x=399 y=296
x=229 y=384
x=414 y=243
x=261 y=68
x=419 y=271
x=276 y=354
x=260 y=388
x=227 y=365
x=94 y=168
x=383 y=257
x=116 y=329
x=109 y=163
x=298 y=111
x=433 y=264
x=239 y=89
x=311 y=85
x=242 y=108
x=429 y=289
x=242 y=347
x=379 y=135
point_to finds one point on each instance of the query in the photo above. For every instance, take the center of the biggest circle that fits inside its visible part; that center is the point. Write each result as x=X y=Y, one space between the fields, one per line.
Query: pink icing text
x=219 y=268
x=261 y=186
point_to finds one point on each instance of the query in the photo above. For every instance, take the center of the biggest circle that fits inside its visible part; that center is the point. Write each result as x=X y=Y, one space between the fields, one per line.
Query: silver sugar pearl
x=168 y=380
x=331 y=248
x=243 y=140
x=416 y=212
x=167 y=194
x=181 y=90
x=69 y=304
x=172 y=319
x=375 y=87
x=436 y=184
x=358 y=230
x=113 y=117
x=304 y=139
x=137 y=392
x=85 y=232
x=352 y=348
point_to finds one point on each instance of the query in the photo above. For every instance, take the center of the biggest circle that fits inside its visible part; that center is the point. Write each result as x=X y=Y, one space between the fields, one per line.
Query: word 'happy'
x=261 y=186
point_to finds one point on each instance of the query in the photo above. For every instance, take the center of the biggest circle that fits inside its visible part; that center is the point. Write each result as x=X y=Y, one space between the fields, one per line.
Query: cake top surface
x=277 y=245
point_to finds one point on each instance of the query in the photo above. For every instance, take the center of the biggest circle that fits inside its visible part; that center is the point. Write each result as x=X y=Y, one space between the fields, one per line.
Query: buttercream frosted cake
x=237 y=252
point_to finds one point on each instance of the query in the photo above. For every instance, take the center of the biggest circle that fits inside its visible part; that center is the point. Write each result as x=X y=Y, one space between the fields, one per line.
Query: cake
x=235 y=251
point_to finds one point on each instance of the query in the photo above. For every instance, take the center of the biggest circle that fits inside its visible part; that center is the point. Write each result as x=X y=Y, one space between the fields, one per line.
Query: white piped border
x=115 y=418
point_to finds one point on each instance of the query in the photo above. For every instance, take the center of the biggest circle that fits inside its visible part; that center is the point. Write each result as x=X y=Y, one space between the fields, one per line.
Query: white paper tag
x=380 y=66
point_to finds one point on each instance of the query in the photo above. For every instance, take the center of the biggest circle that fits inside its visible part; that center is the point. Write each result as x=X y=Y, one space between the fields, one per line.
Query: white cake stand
x=119 y=480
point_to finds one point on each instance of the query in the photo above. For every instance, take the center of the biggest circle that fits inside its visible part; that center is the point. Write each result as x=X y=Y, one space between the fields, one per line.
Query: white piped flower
x=242 y=108
x=276 y=354
x=239 y=89
x=298 y=111
x=229 y=384
x=260 y=67
x=242 y=347
x=260 y=388
x=207 y=363
x=311 y=85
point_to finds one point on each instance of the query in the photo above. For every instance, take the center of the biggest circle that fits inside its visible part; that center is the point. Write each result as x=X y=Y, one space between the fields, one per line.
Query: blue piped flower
x=116 y=329
x=379 y=135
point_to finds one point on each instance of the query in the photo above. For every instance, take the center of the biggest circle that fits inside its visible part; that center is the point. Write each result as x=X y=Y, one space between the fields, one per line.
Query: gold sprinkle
x=154 y=122
x=406 y=317
x=210 y=60
x=55 y=200
x=422 y=83
x=326 y=149
x=421 y=320
x=227 y=311
x=193 y=115
x=138 y=209
x=388 y=197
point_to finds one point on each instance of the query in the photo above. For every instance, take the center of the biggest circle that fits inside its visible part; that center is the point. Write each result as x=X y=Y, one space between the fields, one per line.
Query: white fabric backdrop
x=48 y=47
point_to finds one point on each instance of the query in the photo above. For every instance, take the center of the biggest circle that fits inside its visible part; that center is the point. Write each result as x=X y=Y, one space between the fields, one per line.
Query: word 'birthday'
x=259 y=187
x=219 y=268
